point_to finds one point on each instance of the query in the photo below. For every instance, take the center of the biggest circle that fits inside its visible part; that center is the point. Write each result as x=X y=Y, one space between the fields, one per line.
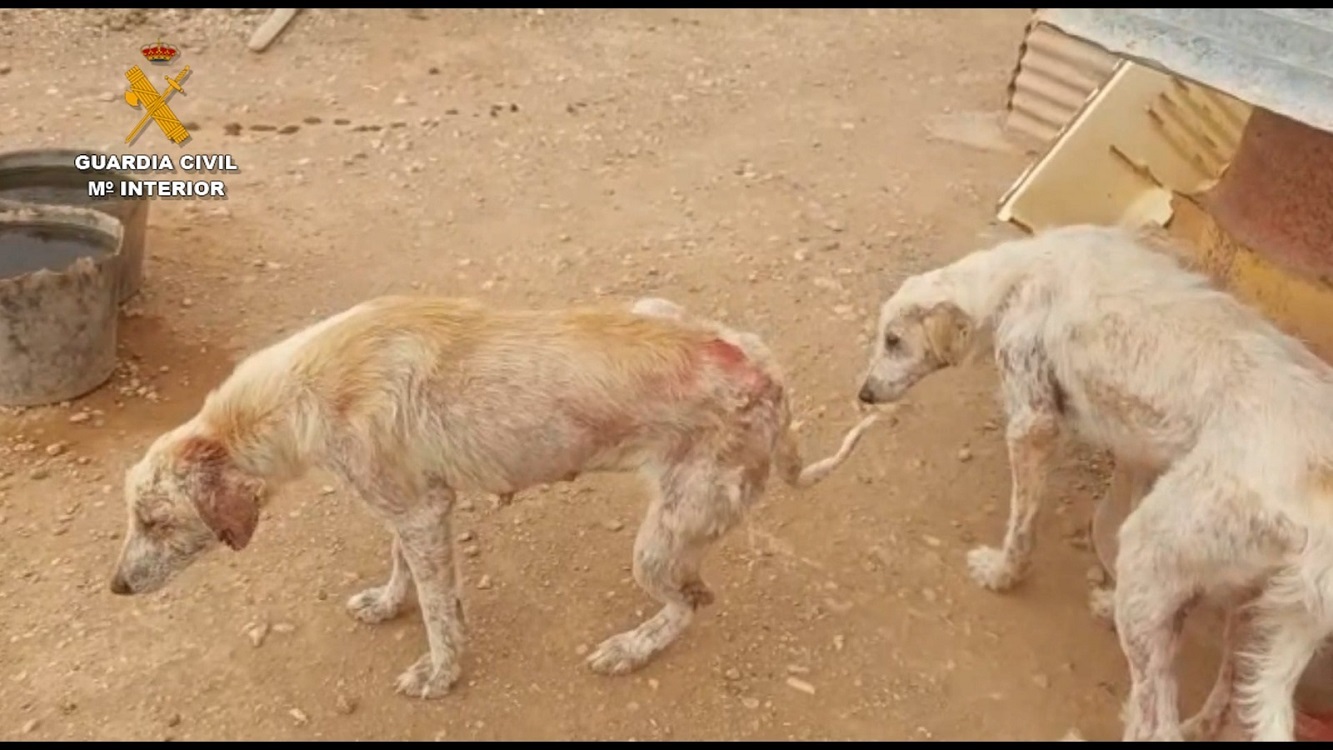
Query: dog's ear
x=948 y=332
x=226 y=498
x=657 y=307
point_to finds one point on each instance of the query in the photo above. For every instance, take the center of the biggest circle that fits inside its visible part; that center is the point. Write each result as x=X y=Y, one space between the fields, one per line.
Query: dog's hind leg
x=1197 y=533
x=1288 y=634
x=385 y=602
x=1205 y=725
x=697 y=504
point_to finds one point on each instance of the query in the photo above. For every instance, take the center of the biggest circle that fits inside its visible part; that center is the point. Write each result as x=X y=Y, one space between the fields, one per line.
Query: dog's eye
x=891 y=341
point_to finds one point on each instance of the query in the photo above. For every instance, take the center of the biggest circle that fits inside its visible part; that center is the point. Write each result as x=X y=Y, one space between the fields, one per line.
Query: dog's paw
x=620 y=654
x=991 y=569
x=1101 y=602
x=426 y=679
x=374 y=605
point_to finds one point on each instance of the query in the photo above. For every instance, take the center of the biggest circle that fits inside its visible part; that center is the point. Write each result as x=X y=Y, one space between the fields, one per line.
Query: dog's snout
x=866 y=396
x=119 y=586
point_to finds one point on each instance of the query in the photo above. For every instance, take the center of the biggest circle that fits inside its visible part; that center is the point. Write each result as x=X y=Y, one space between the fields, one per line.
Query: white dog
x=1097 y=335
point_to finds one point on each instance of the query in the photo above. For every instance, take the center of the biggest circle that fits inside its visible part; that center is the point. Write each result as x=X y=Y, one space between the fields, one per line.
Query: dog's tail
x=796 y=474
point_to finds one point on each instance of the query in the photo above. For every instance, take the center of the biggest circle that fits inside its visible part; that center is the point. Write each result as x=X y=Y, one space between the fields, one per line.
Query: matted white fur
x=1231 y=421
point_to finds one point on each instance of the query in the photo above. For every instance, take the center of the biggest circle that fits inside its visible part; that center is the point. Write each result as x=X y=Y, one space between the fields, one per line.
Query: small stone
x=41 y=472
x=256 y=632
x=345 y=705
x=750 y=702
x=732 y=674
x=30 y=725
x=931 y=541
x=284 y=628
x=801 y=255
x=327 y=489
x=796 y=683
x=466 y=536
x=484 y=582
x=5 y=69
x=55 y=449
x=965 y=454
x=613 y=525
x=80 y=418
x=299 y=717
x=187 y=302
x=1041 y=681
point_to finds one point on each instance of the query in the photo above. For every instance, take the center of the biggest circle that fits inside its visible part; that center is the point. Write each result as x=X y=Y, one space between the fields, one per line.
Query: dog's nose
x=866 y=396
x=119 y=586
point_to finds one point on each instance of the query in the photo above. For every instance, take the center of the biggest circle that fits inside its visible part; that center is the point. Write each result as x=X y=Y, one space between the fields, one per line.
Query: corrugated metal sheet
x=1055 y=75
x=1280 y=59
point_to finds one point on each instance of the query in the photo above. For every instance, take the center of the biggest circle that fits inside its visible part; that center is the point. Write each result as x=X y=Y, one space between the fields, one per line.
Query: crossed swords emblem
x=143 y=93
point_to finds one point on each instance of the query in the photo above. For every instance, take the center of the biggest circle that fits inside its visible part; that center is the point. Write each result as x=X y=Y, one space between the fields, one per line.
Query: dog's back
x=499 y=400
x=1143 y=347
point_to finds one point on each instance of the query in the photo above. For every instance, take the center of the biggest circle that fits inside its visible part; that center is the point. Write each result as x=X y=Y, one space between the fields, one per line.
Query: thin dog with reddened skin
x=411 y=400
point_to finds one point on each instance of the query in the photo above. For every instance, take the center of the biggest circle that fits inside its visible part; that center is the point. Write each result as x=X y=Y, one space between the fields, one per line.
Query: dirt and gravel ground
x=782 y=170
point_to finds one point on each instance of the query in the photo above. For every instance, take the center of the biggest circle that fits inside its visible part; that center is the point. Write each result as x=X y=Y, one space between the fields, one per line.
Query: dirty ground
x=781 y=170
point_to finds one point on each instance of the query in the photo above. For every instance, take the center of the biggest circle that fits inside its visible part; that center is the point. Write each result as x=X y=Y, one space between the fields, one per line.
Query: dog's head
x=184 y=497
x=920 y=331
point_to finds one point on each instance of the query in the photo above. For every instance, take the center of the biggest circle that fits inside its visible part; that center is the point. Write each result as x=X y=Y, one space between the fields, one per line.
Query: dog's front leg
x=1032 y=400
x=427 y=547
x=375 y=605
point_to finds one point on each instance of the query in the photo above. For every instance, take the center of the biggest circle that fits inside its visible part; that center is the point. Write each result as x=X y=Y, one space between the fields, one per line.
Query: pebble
x=484 y=582
x=41 y=472
x=4 y=69
x=327 y=489
x=732 y=674
x=613 y=525
x=30 y=725
x=299 y=717
x=80 y=418
x=796 y=683
x=964 y=455
x=256 y=632
x=345 y=705
x=55 y=449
